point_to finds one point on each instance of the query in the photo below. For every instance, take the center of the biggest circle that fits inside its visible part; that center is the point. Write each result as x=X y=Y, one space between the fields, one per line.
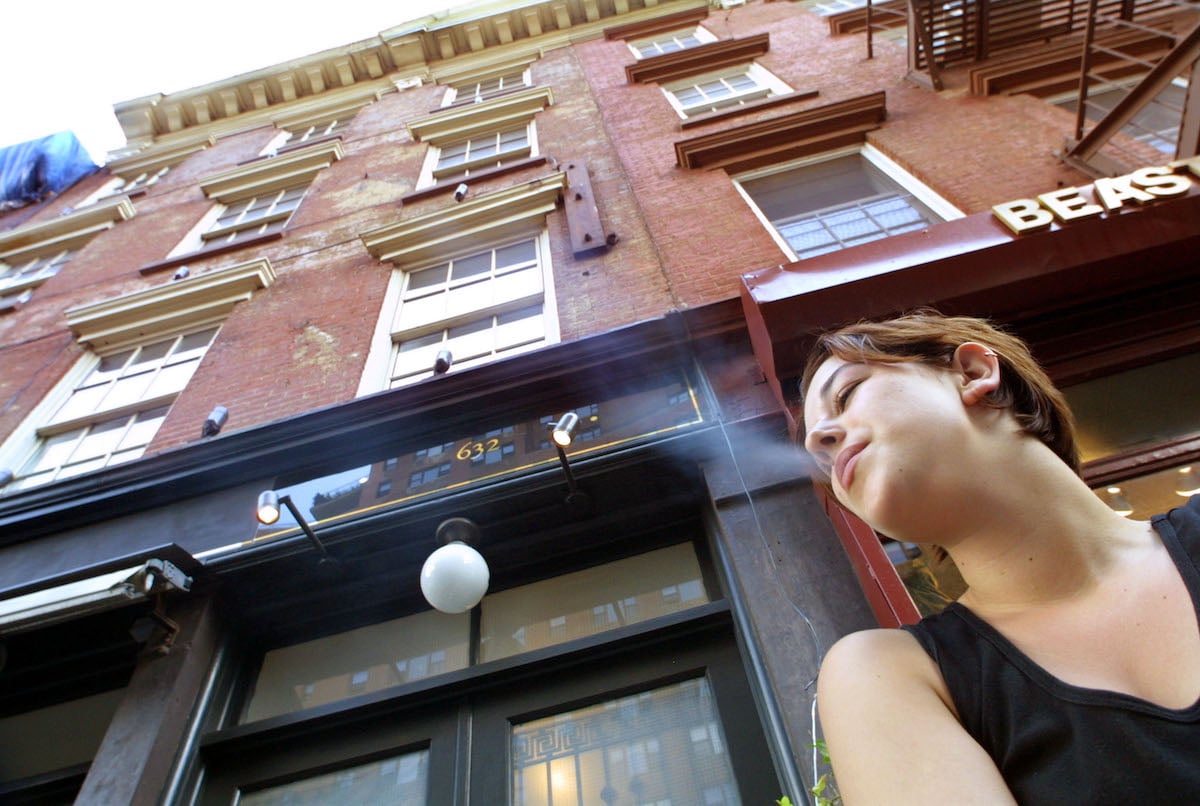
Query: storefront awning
x=971 y=265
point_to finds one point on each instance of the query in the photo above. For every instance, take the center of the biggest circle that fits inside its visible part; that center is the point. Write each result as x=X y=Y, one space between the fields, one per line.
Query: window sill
x=448 y=185
x=207 y=252
x=749 y=107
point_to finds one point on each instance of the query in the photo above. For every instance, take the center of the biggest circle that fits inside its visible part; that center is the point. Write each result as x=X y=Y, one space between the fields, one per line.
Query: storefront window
x=514 y=621
x=591 y=601
x=662 y=746
x=359 y=661
x=397 y=781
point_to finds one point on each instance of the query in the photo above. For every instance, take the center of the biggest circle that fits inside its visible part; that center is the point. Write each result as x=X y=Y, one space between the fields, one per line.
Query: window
x=20 y=277
x=671 y=41
x=133 y=175
x=478 y=301
x=32 y=254
x=258 y=198
x=112 y=415
x=1156 y=123
x=719 y=90
x=301 y=134
x=144 y=348
x=489 y=150
x=122 y=186
x=504 y=278
x=256 y=215
x=473 y=137
x=841 y=201
x=477 y=89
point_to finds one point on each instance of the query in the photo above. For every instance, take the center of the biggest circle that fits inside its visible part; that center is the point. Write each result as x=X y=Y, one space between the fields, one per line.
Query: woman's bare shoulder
x=892 y=730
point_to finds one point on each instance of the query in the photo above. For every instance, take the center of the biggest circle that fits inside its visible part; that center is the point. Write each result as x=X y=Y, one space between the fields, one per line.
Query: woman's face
x=894 y=440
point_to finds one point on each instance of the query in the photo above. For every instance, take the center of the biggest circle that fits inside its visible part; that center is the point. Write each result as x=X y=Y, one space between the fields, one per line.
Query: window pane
x=382 y=655
x=523 y=252
x=428 y=278
x=472 y=266
x=128 y=390
x=663 y=746
x=53 y=452
x=397 y=781
x=519 y=620
x=172 y=379
x=1137 y=408
x=144 y=427
x=102 y=439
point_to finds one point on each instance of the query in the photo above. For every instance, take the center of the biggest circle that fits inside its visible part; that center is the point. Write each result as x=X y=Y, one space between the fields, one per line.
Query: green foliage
x=825 y=789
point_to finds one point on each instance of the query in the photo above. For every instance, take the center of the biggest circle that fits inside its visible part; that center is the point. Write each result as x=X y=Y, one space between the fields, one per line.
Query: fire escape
x=1134 y=64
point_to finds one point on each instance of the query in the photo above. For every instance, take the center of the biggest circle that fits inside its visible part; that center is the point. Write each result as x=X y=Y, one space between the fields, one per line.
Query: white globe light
x=454 y=578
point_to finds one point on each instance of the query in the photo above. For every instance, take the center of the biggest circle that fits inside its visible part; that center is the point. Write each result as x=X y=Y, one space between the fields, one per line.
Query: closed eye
x=842 y=398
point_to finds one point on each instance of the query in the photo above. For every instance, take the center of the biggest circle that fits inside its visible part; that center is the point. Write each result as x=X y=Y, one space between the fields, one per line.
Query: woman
x=1069 y=671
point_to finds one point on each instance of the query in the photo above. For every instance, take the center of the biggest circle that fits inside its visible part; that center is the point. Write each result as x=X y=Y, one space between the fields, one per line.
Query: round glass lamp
x=454 y=578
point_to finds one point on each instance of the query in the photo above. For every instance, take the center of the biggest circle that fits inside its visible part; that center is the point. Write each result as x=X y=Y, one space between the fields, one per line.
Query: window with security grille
x=113 y=413
x=477 y=306
x=671 y=41
x=835 y=204
x=709 y=92
x=489 y=150
x=258 y=215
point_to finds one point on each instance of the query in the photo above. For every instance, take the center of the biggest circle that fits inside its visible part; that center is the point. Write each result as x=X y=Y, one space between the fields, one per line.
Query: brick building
x=373 y=279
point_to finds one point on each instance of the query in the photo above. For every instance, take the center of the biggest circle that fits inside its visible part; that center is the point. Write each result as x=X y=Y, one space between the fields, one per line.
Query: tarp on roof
x=38 y=169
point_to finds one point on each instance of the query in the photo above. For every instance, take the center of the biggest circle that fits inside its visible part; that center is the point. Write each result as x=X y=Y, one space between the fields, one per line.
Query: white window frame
x=471 y=89
x=431 y=173
x=101 y=412
x=32 y=254
x=451 y=126
x=121 y=323
x=262 y=179
x=909 y=183
x=442 y=328
x=766 y=85
x=660 y=43
x=485 y=222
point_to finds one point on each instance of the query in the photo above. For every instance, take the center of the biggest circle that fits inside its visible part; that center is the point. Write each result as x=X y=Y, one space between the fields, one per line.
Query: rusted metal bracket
x=583 y=216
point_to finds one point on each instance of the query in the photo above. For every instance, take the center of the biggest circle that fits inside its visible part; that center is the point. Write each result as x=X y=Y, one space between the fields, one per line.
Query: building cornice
x=369 y=67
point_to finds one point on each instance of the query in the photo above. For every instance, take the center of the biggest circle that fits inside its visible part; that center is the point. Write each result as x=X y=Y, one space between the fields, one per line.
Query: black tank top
x=1061 y=744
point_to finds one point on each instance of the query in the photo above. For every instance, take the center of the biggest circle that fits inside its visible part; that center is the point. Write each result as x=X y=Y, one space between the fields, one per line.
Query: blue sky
x=66 y=63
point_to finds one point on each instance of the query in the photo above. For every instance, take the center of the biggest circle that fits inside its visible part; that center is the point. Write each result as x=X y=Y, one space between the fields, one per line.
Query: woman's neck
x=1039 y=536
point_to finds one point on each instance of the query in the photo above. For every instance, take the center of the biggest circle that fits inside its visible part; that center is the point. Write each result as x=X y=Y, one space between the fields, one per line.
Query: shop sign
x=1106 y=194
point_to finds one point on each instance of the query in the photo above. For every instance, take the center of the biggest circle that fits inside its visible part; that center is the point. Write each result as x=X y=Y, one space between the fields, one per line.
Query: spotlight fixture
x=268 y=511
x=443 y=361
x=562 y=434
x=216 y=419
x=1117 y=501
x=1187 y=482
x=455 y=577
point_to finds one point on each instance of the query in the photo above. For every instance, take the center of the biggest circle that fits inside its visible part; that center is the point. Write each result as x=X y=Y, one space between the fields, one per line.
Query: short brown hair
x=929 y=337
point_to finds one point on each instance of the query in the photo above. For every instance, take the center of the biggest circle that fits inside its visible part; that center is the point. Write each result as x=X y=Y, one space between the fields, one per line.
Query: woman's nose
x=822 y=440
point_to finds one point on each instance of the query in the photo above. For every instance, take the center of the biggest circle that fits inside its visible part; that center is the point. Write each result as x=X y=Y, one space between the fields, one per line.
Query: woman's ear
x=978 y=368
